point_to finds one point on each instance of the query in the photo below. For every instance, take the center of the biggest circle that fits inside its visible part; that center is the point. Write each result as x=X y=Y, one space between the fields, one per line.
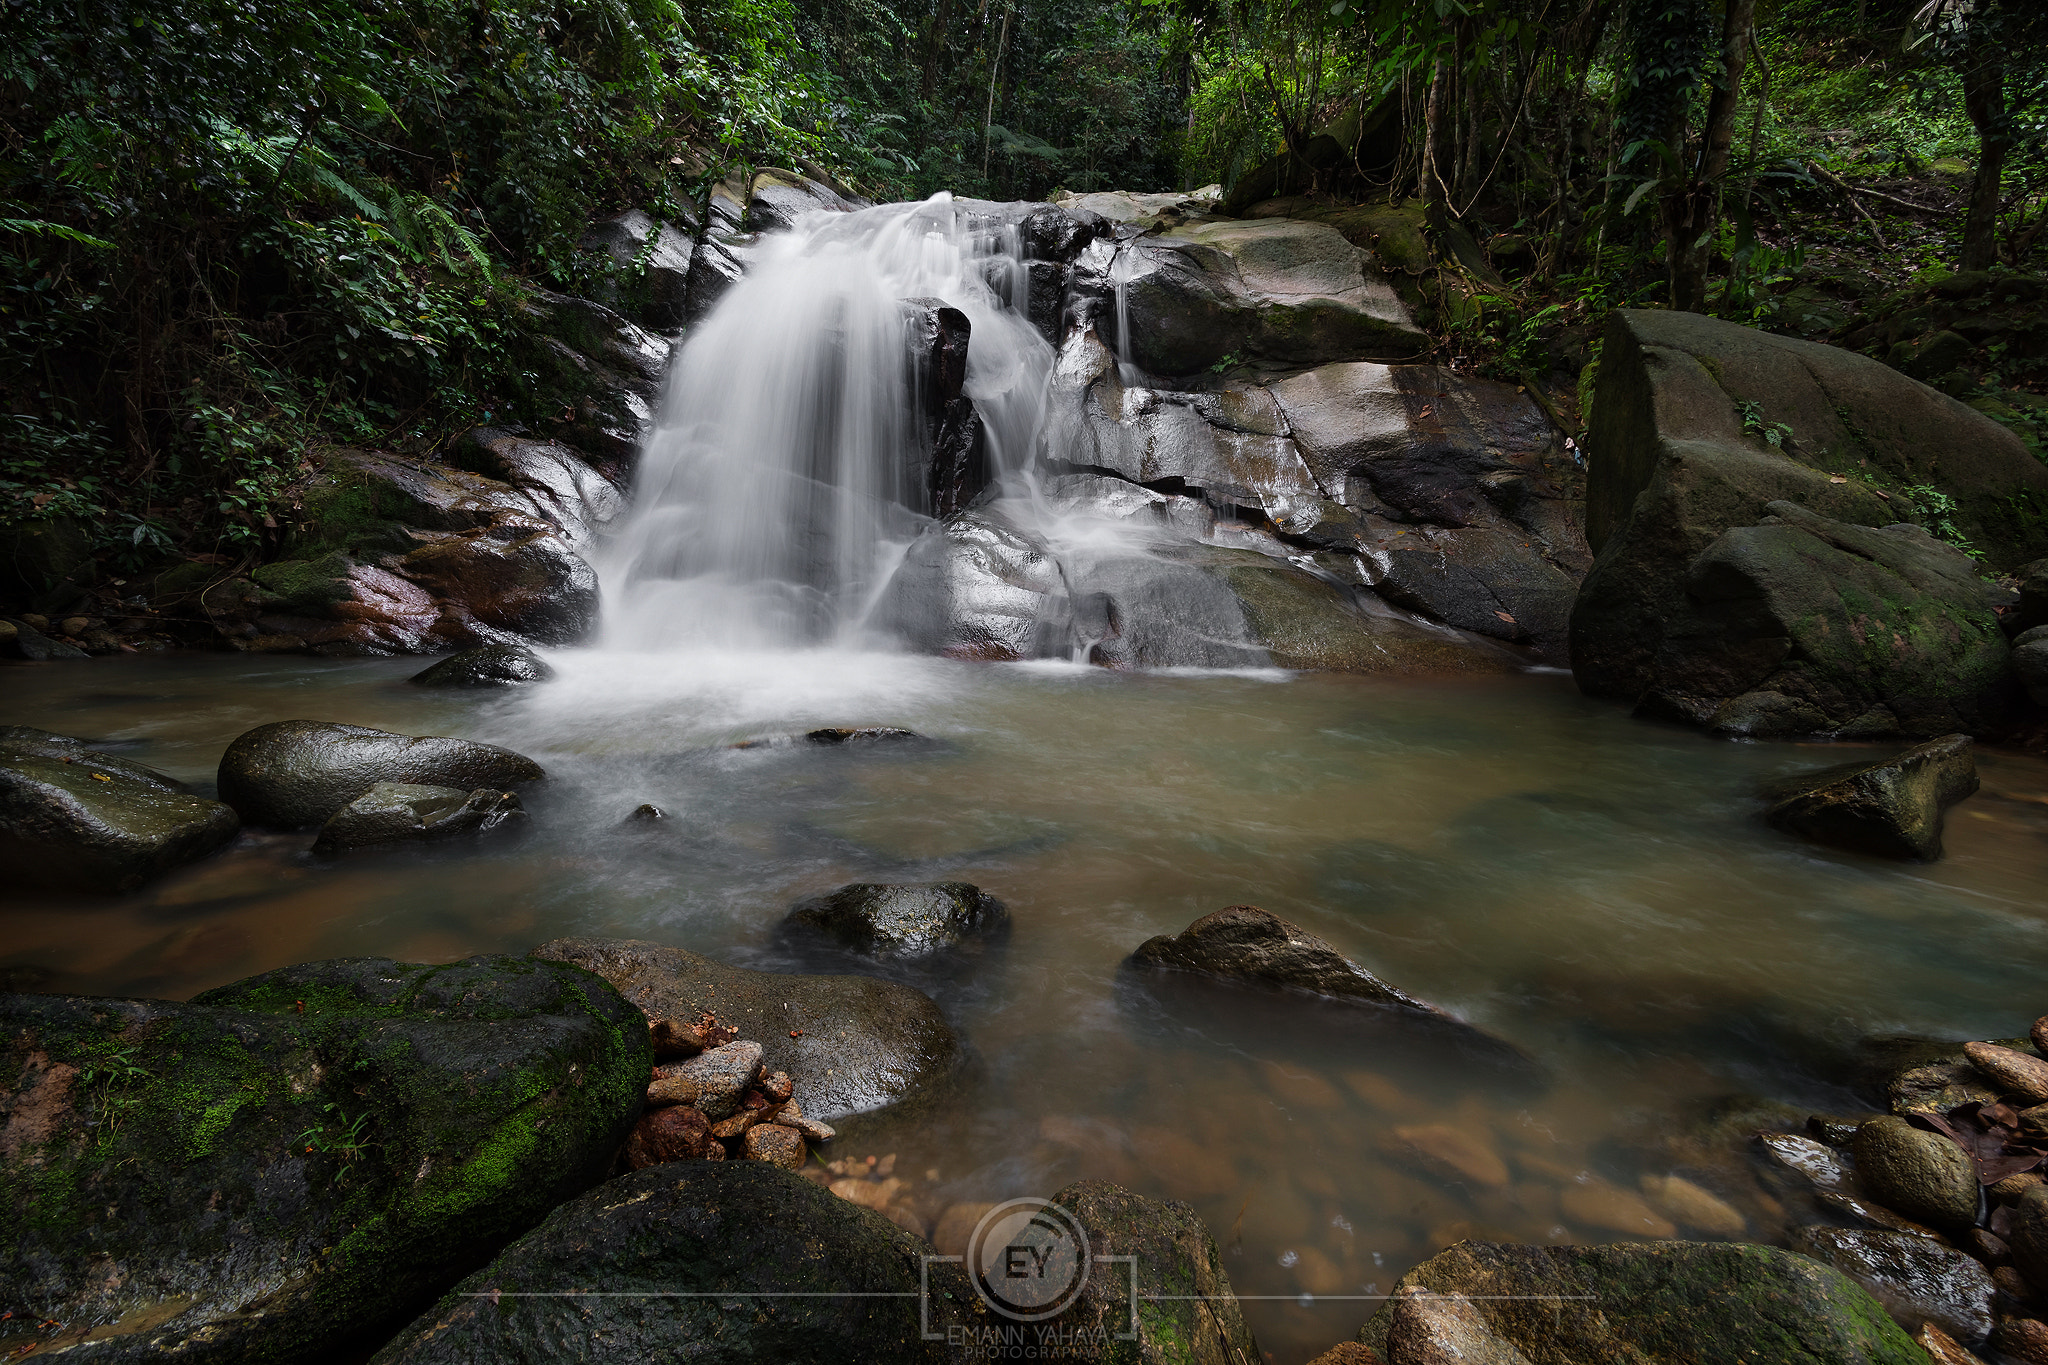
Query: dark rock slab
x=407 y=813
x=1685 y=1303
x=24 y=641
x=1917 y=1280
x=741 y=1262
x=75 y=820
x=293 y=773
x=915 y=920
x=853 y=1043
x=297 y=1162
x=1892 y=808
x=650 y=263
x=486 y=666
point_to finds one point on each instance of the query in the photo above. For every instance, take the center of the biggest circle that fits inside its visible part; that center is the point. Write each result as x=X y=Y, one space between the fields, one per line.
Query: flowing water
x=1595 y=889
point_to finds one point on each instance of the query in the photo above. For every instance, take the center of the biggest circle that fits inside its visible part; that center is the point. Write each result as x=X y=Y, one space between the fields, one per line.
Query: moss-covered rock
x=300 y=1159
x=711 y=1262
x=75 y=820
x=1648 y=1303
x=293 y=773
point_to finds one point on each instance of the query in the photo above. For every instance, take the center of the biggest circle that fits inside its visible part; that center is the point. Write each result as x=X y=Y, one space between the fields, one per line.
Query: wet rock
x=1591 y=1202
x=1942 y=1348
x=1803 y=1156
x=1684 y=1202
x=1245 y=944
x=824 y=1280
x=1939 y=1087
x=2013 y=1073
x=1431 y=1329
x=1347 y=1353
x=1447 y=1151
x=24 y=641
x=1675 y=467
x=903 y=921
x=75 y=820
x=2028 y=1235
x=711 y=1082
x=677 y=1038
x=650 y=264
x=487 y=666
x=852 y=1043
x=1918 y=1281
x=400 y=812
x=1201 y=1324
x=300 y=1158
x=1892 y=808
x=792 y=1116
x=293 y=773
x=1923 y=1175
x=2030 y=663
x=677 y=1132
x=648 y=814
x=1651 y=1302
x=2024 y=1339
x=561 y=486
x=860 y=734
x=777 y=1145
x=776 y=199
x=974 y=587
x=1871 y=1215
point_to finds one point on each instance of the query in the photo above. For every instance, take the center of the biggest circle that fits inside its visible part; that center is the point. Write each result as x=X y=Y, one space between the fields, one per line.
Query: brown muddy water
x=1595 y=889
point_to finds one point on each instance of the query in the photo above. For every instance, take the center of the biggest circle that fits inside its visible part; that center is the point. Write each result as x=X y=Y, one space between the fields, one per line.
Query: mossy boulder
x=711 y=1262
x=854 y=1043
x=301 y=1160
x=1186 y=1312
x=293 y=773
x=75 y=820
x=1650 y=1303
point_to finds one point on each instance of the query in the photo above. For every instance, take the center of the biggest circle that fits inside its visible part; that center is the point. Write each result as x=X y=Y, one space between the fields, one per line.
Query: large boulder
x=853 y=1043
x=903 y=921
x=777 y=199
x=406 y=813
x=1892 y=807
x=648 y=263
x=607 y=373
x=1684 y=1303
x=72 y=819
x=717 y=1262
x=562 y=487
x=293 y=773
x=299 y=1160
x=1704 y=591
x=975 y=586
x=1286 y=290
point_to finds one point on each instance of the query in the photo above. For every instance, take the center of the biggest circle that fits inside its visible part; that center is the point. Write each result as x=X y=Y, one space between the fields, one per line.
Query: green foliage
x=1937 y=511
x=342 y=1138
x=1774 y=434
x=114 y=1079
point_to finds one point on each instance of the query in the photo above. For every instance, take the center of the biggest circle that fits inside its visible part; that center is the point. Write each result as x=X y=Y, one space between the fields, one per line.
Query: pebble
x=1592 y=1200
x=674 y=1038
x=955 y=1226
x=1922 y=1175
x=677 y=1133
x=713 y=1081
x=869 y=1194
x=1684 y=1202
x=1943 y=1348
x=2014 y=1072
x=776 y=1145
x=1451 y=1151
x=792 y=1116
x=2024 y=1339
x=2010 y=1189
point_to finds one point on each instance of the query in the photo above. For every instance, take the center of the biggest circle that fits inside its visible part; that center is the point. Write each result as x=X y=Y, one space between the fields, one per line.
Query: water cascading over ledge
x=807 y=415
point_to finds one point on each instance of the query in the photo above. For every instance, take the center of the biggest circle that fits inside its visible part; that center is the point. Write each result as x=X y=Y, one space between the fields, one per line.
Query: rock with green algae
x=1673 y=1303
x=711 y=1262
x=73 y=819
x=300 y=1160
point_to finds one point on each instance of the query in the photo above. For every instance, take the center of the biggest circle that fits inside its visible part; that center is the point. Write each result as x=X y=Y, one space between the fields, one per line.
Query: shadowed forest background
x=232 y=232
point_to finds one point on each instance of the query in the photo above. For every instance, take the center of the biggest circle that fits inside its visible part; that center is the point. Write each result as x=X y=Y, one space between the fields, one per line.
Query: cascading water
x=776 y=492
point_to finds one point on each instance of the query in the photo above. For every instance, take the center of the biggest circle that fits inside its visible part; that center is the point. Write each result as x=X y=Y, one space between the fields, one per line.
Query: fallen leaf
x=1505 y=617
x=101 y=777
x=1837 y=478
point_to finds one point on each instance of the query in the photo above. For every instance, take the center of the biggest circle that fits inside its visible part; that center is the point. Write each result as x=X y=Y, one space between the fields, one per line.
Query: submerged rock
x=1649 y=1303
x=293 y=773
x=1917 y=1280
x=400 y=812
x=1892 y=808
x=821 y=1279
x=1923 y=1175
x=75 y=820
x=1246 y=944
x=486 y=666
x=853 y=1043
x=299 y=1159
x=903 y=921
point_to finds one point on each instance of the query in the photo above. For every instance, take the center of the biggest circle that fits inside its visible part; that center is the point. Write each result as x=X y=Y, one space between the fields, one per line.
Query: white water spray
x=775 y=495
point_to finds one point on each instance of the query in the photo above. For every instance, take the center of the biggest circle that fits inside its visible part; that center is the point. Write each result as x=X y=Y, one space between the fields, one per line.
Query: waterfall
x=780 y=484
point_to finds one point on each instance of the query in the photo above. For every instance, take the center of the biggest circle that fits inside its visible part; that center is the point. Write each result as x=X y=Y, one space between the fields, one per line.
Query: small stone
x=2014 y=1187
x=778 y=1087
x=1451 y=1151
x=713 y=1081
x=674 y=1038
x=1942 y=1348
x=869 y=1194
x=2013 y=1283
x=677 y=1133
x=648 y=814
x=1684 y=1202
x=1440 y=1329
x=2015 y=1073
x=776 y=1145
x=1832 y=1131
x=2024 y=1339
x=2028 y=1235
x=2034 y=1120
x=1348 y=1353
x=1804 y=1156
x=1987 y=1246
x=2039 y=1033
x=1922 y=1175
x=792 y=1116
x=487 y=666
x=74 y=625
x=865 y=734
x=1939 y=1087
x=1596 y=1203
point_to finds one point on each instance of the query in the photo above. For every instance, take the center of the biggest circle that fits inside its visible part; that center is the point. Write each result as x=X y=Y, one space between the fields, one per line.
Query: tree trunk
x=1435 y=194
x=1984 y=101
x=1692 y=214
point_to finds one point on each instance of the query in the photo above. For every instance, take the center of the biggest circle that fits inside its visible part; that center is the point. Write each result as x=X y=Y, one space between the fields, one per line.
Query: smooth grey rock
x=711 y=1082
x=563 y=489
x=1892 y=807
x=1917 y=1280
x=903 y=921
x=676 y=1246
x=860 y=1043
x=293 y=773
x=1922 y=1175
x=974 y=587
x=295 y=1160
x=776 y=199
x=75 y=820
x=400 y=812
x=486 y=666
